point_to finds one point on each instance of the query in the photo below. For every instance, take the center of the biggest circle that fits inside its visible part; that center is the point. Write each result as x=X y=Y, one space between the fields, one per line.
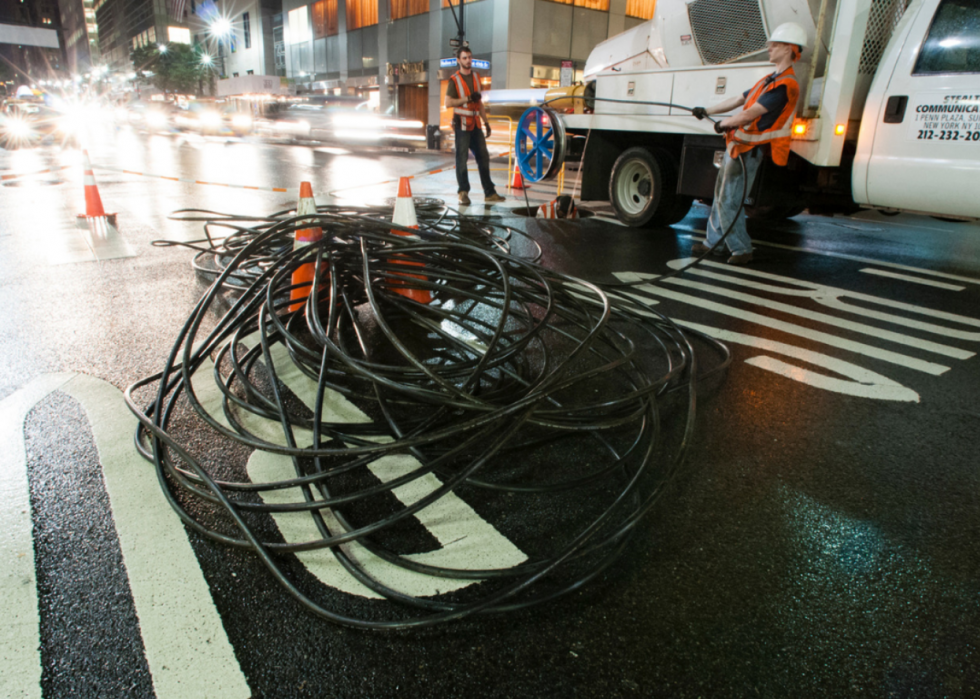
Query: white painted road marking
x=873 y=331
x=830 y=297
x=467 y=541
x=862 y=382
x=844 y=256
x=913 y=280
x=20 y=656
x=789 y=328
x=186 y=647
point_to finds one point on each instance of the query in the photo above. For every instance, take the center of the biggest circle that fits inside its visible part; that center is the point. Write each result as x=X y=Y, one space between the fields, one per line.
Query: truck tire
x=642 y=187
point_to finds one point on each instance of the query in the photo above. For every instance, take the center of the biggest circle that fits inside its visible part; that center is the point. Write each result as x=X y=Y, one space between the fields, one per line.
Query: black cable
x=560 y=408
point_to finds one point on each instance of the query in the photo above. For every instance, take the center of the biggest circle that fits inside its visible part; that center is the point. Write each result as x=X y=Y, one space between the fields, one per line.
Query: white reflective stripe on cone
x=404 y=214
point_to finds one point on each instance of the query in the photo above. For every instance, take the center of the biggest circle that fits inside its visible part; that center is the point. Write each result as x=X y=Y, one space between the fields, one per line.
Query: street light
x=221 y=28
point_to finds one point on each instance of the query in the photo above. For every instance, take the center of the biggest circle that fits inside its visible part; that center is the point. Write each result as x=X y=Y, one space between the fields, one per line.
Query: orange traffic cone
x=404 y=215
x=304 y=236
x=518 y=182
x=93 y=202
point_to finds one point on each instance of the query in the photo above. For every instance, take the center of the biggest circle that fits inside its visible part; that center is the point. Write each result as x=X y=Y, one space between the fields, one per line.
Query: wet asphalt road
x=821 y=540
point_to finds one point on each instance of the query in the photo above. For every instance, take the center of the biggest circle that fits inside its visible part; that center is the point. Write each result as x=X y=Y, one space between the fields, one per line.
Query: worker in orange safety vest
x=763 y=126
x=465 y=97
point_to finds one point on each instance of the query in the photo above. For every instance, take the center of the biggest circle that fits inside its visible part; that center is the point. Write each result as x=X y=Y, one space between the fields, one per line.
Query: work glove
x=486 y=125
x=699 y=112
x=721 y=129
x=476 y=96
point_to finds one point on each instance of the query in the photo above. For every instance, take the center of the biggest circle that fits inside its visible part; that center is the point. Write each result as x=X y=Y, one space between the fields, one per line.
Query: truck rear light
x=840 y=129
x=806 y=130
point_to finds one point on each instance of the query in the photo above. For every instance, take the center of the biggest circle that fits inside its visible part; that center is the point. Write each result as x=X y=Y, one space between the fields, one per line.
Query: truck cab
x=919 y=144
x=889 y=111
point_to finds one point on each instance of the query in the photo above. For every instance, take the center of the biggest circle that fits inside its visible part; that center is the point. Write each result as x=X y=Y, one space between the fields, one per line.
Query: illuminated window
x=642 y=9
x=299 y=26
x=179 y=35
x=406 y=8
x=445 y=3
x=587 y=4
x=361 y=13
x=325 y=19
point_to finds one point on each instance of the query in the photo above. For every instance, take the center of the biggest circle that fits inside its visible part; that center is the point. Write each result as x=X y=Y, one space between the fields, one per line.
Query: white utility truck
x=889 y=112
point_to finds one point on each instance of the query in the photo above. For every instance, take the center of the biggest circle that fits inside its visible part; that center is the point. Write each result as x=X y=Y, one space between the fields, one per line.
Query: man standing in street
x=465 y=99
x=763 y=126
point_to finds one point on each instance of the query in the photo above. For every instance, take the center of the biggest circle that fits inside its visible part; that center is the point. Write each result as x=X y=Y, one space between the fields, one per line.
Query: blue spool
x=536 y=142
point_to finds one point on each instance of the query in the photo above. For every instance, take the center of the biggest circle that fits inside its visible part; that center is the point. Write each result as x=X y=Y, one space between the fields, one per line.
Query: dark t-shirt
x=774 y=101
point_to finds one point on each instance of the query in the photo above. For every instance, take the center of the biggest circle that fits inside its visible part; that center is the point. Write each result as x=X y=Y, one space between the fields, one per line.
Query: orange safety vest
x=469 y=113
x=779 y=135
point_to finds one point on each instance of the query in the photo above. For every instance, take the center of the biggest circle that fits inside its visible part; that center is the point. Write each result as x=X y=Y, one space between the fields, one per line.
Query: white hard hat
x=790 y=33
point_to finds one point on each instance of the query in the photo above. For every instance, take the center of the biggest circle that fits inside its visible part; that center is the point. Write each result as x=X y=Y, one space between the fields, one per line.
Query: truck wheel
x=637 y=187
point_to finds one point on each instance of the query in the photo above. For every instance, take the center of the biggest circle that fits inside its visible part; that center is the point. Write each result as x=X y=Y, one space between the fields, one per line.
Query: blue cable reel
x=540 y=144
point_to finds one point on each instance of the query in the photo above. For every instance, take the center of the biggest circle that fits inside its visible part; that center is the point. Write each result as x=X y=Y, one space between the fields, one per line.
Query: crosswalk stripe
x=20 y=655
x=186 y=647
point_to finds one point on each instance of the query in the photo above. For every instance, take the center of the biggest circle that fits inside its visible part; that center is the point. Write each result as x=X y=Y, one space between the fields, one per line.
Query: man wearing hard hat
x=764 y=125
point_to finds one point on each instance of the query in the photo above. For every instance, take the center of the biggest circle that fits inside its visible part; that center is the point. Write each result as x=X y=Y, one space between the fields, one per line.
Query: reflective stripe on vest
x=778 y=136
x=469 y=118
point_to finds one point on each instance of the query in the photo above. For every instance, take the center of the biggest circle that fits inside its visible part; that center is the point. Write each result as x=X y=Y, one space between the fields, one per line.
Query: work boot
x=742 y=259
x=494 y=198
x=464 y=199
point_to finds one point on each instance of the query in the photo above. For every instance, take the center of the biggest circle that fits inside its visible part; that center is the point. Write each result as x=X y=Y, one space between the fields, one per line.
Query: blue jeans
x=728 y=195
x=467 y=141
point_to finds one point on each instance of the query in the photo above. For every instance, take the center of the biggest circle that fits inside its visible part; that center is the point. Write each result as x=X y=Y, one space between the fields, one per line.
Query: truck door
x=926 y=150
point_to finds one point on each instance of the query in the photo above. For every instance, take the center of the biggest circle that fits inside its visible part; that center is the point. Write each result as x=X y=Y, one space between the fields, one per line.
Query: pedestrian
x=764 y=126
x=465 y=98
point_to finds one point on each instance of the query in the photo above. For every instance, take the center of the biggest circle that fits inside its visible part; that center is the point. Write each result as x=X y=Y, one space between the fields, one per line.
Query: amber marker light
x=840 y=129
x=799 y=128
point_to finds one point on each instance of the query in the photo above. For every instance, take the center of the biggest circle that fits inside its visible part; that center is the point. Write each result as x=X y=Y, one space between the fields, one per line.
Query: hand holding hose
x=699 y=113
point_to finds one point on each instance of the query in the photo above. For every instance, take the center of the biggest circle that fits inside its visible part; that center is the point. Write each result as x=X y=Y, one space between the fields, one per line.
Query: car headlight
x=241 y=121
x=156 y=120
x=211 y=119
x=18 y=127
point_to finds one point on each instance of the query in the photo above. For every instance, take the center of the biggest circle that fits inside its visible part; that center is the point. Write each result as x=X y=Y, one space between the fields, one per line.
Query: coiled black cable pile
x=552 y=408
x=227 y=234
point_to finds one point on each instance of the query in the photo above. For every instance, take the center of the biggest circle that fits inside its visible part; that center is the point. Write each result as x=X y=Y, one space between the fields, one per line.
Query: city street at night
x=817 y=539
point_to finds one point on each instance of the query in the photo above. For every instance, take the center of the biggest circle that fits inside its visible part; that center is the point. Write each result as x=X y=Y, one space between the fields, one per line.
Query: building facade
x=81 y=35
x=24 y=59
x=124 y=25
x=245 y=45
x=390 y=51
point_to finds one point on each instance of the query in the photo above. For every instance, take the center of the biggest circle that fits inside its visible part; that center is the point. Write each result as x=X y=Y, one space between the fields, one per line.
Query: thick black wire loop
x=561 y=407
